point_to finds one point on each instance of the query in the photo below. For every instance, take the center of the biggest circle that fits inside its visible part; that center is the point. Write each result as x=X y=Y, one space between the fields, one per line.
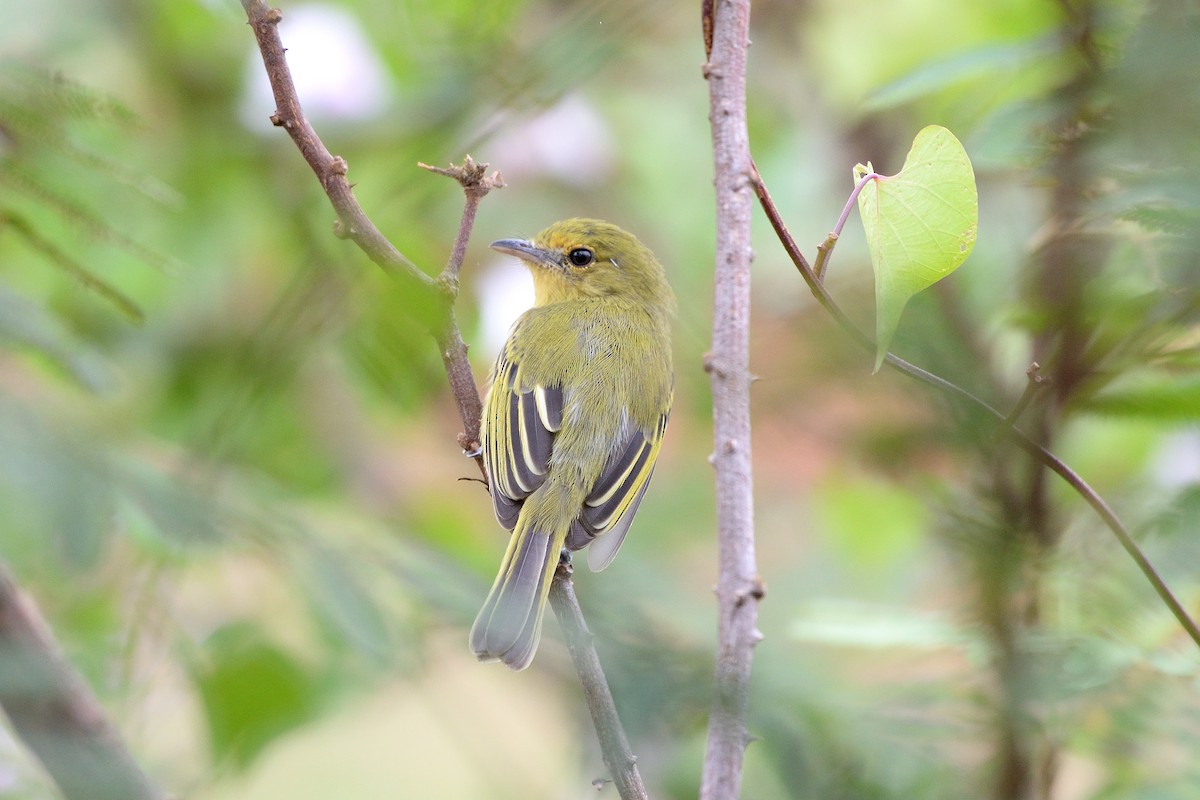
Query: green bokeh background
x=228 y=469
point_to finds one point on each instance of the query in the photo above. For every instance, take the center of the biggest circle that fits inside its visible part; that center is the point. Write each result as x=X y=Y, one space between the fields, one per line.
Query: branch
x=54 y=712
x=354 y=225
x=618 y=757
x=1039 y=453
x=739 y=588
x=86 y=278
x=331 y=170
x=1037 y=381
x=476 y=183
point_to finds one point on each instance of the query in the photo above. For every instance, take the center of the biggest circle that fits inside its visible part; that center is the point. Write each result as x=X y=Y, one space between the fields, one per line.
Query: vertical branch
x=726 y=25
x=476 y=183
x=1058 y=285
x=55 y=714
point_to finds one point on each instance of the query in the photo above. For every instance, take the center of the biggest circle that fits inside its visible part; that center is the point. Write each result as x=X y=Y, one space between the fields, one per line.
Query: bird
x=574 y=419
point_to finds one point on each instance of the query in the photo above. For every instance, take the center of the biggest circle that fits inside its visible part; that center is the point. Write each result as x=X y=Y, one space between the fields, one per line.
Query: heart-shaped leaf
x=920 y=224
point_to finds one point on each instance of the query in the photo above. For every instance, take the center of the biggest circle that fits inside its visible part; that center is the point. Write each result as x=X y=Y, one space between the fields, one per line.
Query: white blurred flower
x=570 y=142
x=1177 y=462
x=337 y=72
x=505 y=290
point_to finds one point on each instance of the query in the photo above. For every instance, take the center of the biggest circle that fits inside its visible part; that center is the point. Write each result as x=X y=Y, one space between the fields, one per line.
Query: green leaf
x=55 y=488
x=252 y=692
x=28 y=324
x=1169 y=400
x=178 y=514
x=873 y=523
x=920 y=224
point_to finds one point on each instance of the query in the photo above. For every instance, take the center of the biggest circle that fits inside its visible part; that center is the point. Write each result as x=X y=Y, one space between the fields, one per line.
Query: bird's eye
x=581 y=257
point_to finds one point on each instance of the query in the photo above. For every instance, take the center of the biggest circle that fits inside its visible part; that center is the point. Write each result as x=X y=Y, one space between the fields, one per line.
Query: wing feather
x=550 y=406
x=613 y=489
x=518 y=438
x=609 y=508
x=604 y=548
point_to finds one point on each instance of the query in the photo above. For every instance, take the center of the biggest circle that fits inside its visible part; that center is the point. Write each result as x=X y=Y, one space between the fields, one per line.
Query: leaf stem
x=825 y=249
x=858 y=187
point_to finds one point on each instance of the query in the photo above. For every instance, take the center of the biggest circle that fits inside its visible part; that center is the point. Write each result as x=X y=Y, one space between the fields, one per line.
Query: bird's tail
x=509 y=625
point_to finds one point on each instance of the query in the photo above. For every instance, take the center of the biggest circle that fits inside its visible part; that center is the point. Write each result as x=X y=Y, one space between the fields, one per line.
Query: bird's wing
x=520 y=428
x=613 y=501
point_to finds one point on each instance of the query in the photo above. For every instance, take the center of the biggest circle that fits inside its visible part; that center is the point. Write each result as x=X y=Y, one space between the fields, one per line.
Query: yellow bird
x=574 y=418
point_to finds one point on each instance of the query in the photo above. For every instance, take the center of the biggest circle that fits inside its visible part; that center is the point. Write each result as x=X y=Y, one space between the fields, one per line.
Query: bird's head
x=579 y=258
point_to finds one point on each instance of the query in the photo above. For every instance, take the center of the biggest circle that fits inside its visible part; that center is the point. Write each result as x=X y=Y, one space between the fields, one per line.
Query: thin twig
x=1037 y=381
x=330 y=169
x=618 y=757
x=354 y=224
x=858 y=187
x=54 y=712
x=476 y=183
x=1031 y=447
x=824 y=249
x=738 y=586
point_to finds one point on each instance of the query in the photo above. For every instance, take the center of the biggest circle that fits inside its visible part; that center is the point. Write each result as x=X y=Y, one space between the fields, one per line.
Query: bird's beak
x=526 y=251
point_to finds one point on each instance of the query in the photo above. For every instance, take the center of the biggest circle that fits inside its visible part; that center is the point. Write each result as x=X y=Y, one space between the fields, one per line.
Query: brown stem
x=462 y=385
x=54 y=712
x=476 y=183
x=738 y=586
x=824 y=250
x=1035 y=383
x=354 y=224
x=331 y=170
x=618 y=757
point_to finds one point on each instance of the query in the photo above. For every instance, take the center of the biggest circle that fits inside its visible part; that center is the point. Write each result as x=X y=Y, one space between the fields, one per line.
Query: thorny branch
x=476 y=183
x=739 y=588
x=331 y=170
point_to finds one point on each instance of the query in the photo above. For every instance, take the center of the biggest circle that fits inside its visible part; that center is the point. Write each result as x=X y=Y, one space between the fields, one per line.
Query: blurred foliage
x=228 y=470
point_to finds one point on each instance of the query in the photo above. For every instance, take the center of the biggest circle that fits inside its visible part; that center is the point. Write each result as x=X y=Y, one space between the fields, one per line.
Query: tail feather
x=509 y=625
